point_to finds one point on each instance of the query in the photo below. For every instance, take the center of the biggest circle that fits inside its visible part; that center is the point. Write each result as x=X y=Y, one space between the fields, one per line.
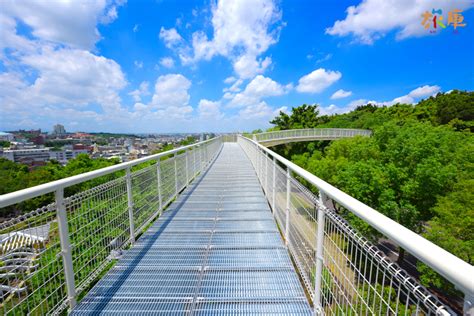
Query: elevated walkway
x=216 y=250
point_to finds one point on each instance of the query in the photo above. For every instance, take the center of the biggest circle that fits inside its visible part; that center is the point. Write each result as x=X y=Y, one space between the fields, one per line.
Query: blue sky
x=186 y=66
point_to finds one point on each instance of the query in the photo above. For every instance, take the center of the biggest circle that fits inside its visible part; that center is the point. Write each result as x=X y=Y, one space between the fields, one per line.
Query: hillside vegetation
x=417 y=168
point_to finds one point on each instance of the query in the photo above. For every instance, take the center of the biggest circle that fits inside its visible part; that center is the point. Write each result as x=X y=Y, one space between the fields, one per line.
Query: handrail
x=446 y=264
x=312 y=129
x=310 y=133
x=28 y=193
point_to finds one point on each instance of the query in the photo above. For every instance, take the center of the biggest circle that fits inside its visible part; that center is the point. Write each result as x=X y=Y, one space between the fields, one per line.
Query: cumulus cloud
x=258 y=23
x=411 y=98
x=339 y=94
x=373 y=19
x=138 y=64
x=54 y=23
x=318 y=80
x=230 y=80
x=210 y=110
x=171 y=91
x=167 y=62
x=141 y=91
x=170 y=37
x=260 y=87
x=76 y=77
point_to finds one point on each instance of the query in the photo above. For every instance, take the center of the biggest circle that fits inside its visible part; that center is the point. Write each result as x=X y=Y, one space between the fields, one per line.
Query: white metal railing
x=342 y=271
x=50 y=256
x=294 y=135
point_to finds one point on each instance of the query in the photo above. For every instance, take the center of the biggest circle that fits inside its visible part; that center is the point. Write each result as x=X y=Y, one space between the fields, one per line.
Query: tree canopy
x=417 y=168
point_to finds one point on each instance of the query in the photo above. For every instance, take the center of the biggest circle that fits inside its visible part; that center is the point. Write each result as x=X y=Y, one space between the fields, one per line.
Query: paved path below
x=216 y=251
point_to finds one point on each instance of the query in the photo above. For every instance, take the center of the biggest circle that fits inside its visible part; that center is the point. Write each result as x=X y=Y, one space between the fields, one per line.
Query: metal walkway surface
x=215 y=251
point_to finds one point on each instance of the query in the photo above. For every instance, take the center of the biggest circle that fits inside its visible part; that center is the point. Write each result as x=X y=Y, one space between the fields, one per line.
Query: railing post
x=194 y=162
x=319 y=254
x=288 y=201
x=200 y=159
x=128 y=179
x=65 y=247
x=266 y=172
x=274 y=184
x=176 y=172
x=187 y=166
x=158 y=176
x=468 y=304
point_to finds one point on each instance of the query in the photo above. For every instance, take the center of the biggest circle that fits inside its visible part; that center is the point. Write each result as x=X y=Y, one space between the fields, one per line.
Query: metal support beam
x=65 y=247
x=128 y=178
x=319 y=254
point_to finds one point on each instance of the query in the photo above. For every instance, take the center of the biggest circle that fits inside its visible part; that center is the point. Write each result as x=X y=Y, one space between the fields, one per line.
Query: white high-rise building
x=58 y=130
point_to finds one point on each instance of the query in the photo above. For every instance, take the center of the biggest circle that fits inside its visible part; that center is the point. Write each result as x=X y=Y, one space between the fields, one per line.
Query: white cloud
x=318 y=80
x=66 y=22
x=329 y=110
x=411 y=98
x=141 y=91
x=247 y=66
x=171 y=91
x=358 y=102
x=372 y=19
x=339 y=94
x=324 y=58
x=259 y=110
x=77 y=77
x=242 y=31
x=260 y=87
x=230 y=80
x=138 y=64
x=210 y=110
x=135 y=28
x=167 y=62
x=235 y=86
x=424 y=91
x=170 y=37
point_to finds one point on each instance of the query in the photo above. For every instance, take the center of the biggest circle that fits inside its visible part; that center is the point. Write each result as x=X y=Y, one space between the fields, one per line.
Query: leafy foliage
x=16 y=176
x=417 y=168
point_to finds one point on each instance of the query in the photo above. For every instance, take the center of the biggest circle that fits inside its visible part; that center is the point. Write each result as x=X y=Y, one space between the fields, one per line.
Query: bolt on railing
x=343 y=272
x=89 y=229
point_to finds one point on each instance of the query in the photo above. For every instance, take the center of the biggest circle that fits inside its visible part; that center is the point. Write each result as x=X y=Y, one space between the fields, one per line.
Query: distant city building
x=64 y=155
x=59 y=130
x=28 y=156
x=6 y=137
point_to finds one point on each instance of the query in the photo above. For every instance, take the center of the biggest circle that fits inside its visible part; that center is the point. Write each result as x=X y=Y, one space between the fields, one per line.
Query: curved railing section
x=343 y=272
x=303 y=135
x=50 y=256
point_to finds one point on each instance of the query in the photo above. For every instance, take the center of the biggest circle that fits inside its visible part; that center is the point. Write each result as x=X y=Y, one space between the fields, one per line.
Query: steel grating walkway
x=216 y=251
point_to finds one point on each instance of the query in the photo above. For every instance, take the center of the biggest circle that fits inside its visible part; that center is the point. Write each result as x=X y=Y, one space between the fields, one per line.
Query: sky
x=221 y=66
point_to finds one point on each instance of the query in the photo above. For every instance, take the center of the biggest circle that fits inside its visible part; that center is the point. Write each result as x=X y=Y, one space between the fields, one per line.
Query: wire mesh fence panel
x=168 y=184
x=145 y=196
x=356 y=278
x=98 y=223
x=302 y=233
x=181 y=169
x=34 y=249
x=31 y=274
